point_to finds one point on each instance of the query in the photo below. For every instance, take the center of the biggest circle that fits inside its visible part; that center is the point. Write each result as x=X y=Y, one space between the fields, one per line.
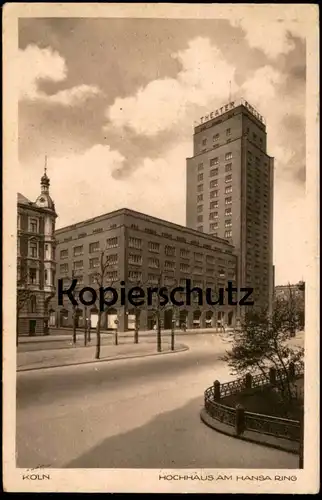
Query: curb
x=213 y=424
x=181 y=349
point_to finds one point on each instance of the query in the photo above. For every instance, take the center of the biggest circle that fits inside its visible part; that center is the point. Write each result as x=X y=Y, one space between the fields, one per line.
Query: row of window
x=216 y=137
x=33 y=224
x=33 y=276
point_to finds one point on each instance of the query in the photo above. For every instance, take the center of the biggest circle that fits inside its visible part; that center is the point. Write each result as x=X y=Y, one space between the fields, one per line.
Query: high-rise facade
x=36 y=264
x=230 y=191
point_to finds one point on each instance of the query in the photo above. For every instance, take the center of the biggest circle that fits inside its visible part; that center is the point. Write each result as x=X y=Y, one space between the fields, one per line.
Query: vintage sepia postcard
x=161 y=257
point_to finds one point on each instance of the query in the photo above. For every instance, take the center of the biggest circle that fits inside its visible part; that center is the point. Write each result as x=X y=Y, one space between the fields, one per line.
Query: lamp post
x=116 y=331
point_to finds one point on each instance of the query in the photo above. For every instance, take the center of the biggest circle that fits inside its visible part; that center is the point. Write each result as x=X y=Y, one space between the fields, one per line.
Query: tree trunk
x=98 y=337
x=116 y=339
x=159 y=347
x=74 y=327
x=173 y=325
x=136 y=331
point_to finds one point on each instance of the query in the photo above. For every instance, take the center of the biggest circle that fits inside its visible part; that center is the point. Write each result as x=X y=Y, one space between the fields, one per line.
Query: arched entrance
x=93 y=317
x=111 y=318
x=183 y=318
x=196 y=319
x=52 y=318
x=209 y=319
x=230 y=318
x=63 y=318
x=168 y=315
x=151 y=320
x=132 y=317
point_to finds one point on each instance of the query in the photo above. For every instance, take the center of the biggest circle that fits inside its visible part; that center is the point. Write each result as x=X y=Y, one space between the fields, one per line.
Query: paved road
x=131 y=413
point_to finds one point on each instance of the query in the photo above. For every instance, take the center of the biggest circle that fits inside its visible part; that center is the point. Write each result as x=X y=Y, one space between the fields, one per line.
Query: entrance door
x=94 y=319
x=32 y=327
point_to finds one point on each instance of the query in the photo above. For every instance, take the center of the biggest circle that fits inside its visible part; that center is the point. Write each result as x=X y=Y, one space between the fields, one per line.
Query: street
x=132 y=413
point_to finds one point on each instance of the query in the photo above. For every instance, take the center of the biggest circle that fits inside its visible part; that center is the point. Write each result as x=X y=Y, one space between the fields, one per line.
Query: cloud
x=272 y=36
x=170 y=102
x=83 y=186
x=36 y=65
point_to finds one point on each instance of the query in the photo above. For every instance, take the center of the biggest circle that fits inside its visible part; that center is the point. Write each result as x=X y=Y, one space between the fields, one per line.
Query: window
x=80 y=280
x=94 y=247
x=254 y=136
x=213 y=172
x=184 y=254
x=78 y=250
x=200 y=177
x=228 y=223
x=200 y=218
x=153 y=247
x=228 y=211
x=214 y=225
x=153 y=278
x=228 y=167
x=93 y=263
x=198 y=256
x=169 y=264
x=33 y=276
x=228 y=200
x=214 y=183
x=134 y=226
x=213 y=204
x=112 y=242
x=63 y=268
x=228 y=178
x=150 y=231
x=154 y=263
x=184 y=267
x=82 y=235
x=18 y=221
x=213 y=215
x=33 y=225
x=228 y=132
x=112 y=276
x=214 y=161
x=228 y=234
x=171 y=251
x=200 y=197
x=135 y=259
x=216 y=146
x=33 y=304
x=135 y=242
x=78 y=264
x=228 y=156
x=33 y=249
x=98 y=230
x=213 y=194
x=64 y=254
x=228 y=189
x=216 y=137
x=197 y=270
x=200 y=167
x=93 y=279
x=113 y=259
x=200 y=188
x=204 y=142
x=199 y=208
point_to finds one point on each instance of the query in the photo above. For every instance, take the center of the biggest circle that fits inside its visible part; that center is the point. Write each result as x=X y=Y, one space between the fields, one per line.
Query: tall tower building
x=36 y=261
x=230 y=191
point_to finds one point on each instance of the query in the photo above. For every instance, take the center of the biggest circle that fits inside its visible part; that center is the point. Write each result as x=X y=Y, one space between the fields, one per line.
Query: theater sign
x=229 y=107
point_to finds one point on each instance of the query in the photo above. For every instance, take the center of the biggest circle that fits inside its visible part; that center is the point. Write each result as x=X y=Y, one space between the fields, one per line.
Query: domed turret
x=44 y=200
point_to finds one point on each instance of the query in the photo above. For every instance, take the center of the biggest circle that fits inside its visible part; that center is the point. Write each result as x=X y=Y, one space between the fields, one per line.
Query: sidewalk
x=66 y=333
x=35 y=360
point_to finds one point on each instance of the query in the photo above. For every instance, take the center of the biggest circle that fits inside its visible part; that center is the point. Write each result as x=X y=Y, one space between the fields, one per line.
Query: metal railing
x=242 y=419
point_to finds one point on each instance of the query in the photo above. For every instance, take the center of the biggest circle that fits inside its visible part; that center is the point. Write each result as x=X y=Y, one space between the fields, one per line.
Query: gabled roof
x=23 y=199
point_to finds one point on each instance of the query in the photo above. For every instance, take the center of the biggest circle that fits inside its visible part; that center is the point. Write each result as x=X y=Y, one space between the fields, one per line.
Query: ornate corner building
x=36 y=263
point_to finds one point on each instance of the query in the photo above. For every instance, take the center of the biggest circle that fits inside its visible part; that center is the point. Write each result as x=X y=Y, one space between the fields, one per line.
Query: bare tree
x=263 y=340
x=24 y=295
x=100 y=279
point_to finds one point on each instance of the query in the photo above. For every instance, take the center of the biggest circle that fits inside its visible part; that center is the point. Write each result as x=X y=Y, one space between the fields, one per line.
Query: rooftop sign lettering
x=229 y=107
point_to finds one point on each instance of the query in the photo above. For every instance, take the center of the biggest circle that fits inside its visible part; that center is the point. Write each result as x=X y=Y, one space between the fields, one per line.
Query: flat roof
x=146 y=217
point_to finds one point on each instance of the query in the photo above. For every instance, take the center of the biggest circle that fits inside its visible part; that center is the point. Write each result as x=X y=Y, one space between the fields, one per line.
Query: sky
x=112 y=103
